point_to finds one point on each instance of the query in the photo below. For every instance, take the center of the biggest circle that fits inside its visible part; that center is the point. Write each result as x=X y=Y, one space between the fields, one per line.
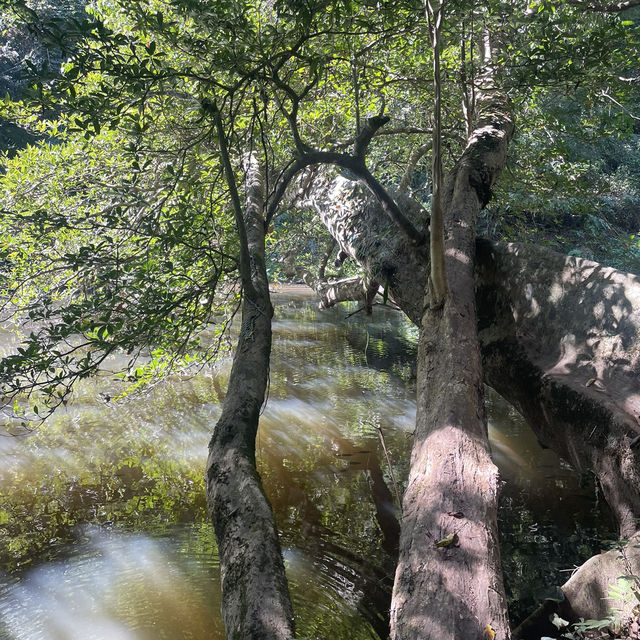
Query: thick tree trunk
x=449 y=580
x=365 y=233
x=255 y=597
x=585 y=593
x=550 y=325
x=561 y=341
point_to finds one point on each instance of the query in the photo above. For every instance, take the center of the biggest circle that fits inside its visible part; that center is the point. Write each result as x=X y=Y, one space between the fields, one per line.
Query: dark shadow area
x=560 y=340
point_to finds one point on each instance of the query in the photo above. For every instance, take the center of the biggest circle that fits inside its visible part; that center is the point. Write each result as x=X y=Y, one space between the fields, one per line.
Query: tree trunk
x=255 y=597
x=561 y=342
x=549 y=326
x=449 y=582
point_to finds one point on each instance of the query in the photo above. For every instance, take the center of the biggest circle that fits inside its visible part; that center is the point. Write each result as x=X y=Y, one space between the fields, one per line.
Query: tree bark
x=448 y=582
x=255 y=597
x=561 y=342
x=549 y=324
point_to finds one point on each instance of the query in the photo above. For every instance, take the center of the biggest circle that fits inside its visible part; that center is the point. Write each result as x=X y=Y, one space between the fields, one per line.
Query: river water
x=103 y=530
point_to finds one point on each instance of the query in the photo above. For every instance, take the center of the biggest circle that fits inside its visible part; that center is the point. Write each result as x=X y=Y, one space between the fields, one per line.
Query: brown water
x=103 y=532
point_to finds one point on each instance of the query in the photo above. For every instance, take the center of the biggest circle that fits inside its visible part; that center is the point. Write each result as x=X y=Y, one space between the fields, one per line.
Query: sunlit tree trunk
x=255 y=598
x=448 y=581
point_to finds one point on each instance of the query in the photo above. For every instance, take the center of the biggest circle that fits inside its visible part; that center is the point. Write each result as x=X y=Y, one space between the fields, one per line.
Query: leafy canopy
x=116 y=235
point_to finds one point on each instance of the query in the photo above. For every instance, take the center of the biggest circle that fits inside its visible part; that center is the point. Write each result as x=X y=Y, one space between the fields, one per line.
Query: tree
x=138 y=245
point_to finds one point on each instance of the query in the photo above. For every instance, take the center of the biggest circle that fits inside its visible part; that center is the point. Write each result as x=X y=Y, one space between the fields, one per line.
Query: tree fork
x=448 y=581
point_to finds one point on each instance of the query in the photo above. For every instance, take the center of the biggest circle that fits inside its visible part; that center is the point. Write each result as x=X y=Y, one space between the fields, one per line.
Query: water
x=103 y=530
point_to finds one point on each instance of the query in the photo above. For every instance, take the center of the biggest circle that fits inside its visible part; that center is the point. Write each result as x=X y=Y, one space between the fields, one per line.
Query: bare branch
x=604 y=94
x=420 y=151
x=245 y=263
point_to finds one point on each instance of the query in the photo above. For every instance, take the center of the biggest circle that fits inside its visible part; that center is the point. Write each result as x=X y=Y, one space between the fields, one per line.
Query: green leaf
x=447 y=541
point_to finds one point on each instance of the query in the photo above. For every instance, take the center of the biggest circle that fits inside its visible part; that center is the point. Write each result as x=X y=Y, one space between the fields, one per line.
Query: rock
x=587 y=591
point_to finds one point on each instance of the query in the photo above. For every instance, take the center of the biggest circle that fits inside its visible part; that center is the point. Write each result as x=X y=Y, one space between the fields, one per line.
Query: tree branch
x=411 y=165
x=366 y=134
x=358 y=168
x=245 y=263
x=292 y=116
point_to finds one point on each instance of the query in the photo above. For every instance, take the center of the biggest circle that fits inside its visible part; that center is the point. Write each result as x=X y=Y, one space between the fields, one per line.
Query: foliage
x=571 y=176
x=116 y=233
x=97 y=268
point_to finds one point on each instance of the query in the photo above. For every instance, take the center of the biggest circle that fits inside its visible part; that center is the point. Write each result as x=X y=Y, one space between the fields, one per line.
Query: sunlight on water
x=103 y=526
x=116 y=586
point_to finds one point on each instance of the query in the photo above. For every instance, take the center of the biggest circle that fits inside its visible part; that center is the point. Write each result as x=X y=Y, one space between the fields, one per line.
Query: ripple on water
x=119 y=585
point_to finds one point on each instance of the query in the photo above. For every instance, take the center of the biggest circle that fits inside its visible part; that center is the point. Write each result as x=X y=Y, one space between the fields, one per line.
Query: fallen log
x=561 y=342
x=588 y=594
x=559 y=336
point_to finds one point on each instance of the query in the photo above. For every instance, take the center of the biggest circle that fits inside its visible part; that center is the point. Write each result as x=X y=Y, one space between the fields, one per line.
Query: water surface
x=103 y=530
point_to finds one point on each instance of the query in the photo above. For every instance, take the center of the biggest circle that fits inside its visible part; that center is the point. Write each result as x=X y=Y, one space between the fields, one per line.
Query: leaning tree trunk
x=560 y=336
x=255 y=598
x=448 y=582
x=561 y=342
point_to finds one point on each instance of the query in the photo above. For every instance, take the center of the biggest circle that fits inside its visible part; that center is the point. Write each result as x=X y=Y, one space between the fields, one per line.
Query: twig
x=393 y=477
x=353 y=313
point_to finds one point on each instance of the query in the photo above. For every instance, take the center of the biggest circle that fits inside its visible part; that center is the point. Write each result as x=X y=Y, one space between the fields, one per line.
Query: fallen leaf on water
x=489 y=632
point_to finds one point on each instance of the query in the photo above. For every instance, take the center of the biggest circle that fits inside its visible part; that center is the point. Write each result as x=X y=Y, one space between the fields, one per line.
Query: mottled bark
x=355 y=218
x=455 y=591
x=550 y=324
x=356 y=289
x=255 y=598
x=561 y=341
x=586 y=593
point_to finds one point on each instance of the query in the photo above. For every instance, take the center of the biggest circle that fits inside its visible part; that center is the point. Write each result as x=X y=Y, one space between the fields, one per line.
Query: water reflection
x=134 y=470
x=551 y=518
x=119 y=586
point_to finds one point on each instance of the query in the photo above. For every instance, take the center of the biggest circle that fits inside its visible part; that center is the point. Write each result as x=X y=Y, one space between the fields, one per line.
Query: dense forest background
x=165 y=162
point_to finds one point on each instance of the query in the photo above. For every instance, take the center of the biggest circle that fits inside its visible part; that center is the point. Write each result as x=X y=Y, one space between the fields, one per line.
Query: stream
x=103 y=526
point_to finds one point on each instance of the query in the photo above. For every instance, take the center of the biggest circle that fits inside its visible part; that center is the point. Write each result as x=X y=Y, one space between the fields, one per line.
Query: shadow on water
x=103 y=530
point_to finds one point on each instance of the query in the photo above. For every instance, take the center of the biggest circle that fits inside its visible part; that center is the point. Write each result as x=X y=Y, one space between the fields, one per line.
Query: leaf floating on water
x=489 y=632
x=590 y=382
x=451 y=539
